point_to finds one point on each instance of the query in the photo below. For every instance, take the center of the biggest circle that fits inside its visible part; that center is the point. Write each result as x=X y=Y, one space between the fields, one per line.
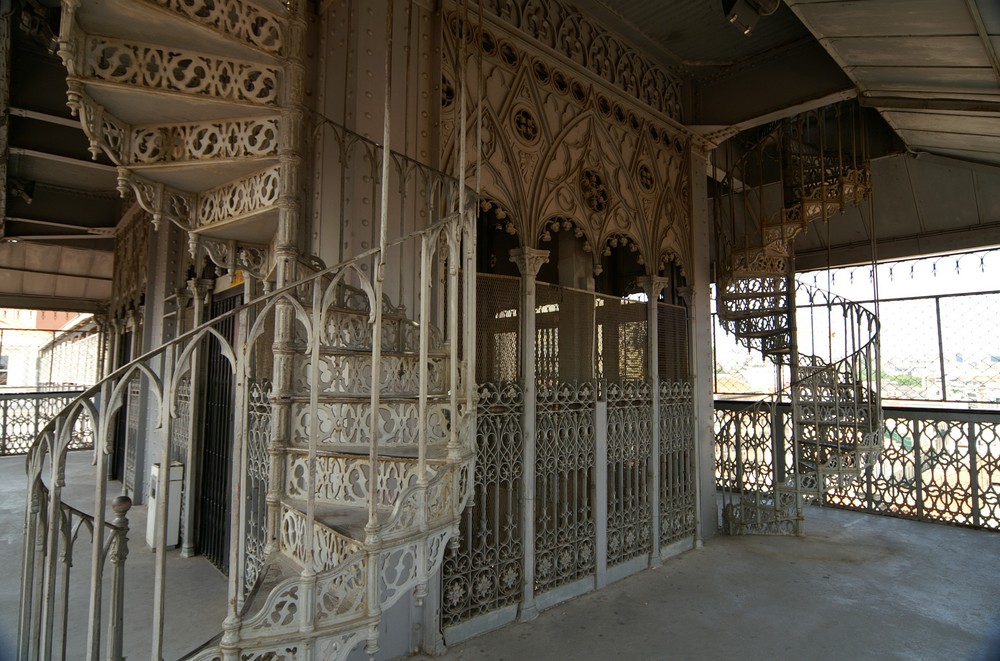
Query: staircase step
x=348 y=422
x=236 y=28
x=344 y=479
x=347 y=373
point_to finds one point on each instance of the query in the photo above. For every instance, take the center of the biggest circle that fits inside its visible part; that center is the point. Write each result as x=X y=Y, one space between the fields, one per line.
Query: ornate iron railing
x=940 y=465
x=24 y=414
x=163 y=373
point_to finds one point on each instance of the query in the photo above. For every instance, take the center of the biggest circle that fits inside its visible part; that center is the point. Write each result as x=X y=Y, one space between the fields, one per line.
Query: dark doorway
x=116 y=467
x=217 y=441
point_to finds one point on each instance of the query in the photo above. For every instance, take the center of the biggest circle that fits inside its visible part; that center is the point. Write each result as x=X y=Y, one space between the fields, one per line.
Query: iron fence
x=23 y=414
x=937 y=464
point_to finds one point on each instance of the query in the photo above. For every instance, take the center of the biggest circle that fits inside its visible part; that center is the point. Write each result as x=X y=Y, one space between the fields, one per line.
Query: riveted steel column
x=653 y=286
x=528 y=260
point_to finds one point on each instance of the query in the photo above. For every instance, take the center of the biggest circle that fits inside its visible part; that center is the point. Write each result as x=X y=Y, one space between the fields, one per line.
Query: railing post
x=118 y=554
x=67 y=560
x=528 y=260
x=653 y=286
x=199 y=290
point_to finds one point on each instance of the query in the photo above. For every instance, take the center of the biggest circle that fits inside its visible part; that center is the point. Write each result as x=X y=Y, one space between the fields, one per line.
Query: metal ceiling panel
x=936 y=80
x=928 y=51
x=945 y=122
x=945 y=196
x=865 y=18
x=931 y=140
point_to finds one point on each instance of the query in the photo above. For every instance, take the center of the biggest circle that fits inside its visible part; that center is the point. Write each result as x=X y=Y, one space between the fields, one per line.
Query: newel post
x=118 y=554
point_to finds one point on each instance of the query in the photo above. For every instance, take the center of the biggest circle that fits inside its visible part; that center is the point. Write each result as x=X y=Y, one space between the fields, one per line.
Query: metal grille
x=179 y=436
x=22 y=415
x=673 y=347
x=630 y=407
x=565 y=328
x=743 y=447
x=936 y=465
x=132 y=432
x=214 y=491
x=677 y=471
x=498 y=345
x=258 y=463
x=621 y=339
x=564 y=484
x=485 y=572
x=117 y=463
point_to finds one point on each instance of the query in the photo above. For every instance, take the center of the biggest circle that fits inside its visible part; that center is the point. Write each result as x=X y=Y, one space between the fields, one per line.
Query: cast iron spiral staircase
x=199 y=106
x=830 y=344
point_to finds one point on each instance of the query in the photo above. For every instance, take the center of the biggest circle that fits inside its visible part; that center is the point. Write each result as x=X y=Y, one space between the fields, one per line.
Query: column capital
x=653 y=285
x=199 y=289
x=529 y=260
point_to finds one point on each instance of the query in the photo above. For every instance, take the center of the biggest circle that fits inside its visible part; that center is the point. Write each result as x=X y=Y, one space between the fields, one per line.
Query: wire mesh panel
x=498 y=346
x=564 y=335
x=564 y=484
x=621 y=339
x=485 y=572
x=672 y=340
x=629 y=451
x=677 y=471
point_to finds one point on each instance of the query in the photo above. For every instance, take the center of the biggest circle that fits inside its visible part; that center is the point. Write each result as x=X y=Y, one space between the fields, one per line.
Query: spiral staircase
x=829 y=344
x=199 y=105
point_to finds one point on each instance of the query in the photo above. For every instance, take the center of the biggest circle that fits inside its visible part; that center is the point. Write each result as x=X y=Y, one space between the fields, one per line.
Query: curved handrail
x=138 y=362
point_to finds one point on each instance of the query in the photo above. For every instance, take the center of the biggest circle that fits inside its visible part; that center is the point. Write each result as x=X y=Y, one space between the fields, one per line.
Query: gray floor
x=196 y=591
x=856 y=587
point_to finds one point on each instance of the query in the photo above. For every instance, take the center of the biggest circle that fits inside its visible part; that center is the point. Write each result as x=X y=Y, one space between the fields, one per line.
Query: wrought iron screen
x=485 y=572
x=622 y=359
x=673 y=353
x=565 y=529
x=677 y=470
x=23 y=414
x=498 y=346
x=936 y=464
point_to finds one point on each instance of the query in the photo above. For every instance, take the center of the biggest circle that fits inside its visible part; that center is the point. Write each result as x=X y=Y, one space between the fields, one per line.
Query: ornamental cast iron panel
x=565 y=531
x=677 y=470
x=485 y=572
x=630 y=407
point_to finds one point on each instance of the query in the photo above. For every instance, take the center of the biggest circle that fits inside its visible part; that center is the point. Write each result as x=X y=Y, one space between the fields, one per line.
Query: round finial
x=121 y=505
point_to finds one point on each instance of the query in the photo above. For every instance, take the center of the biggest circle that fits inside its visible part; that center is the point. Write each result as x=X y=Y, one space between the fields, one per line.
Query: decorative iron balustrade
x=940 y=465
x=24 y=414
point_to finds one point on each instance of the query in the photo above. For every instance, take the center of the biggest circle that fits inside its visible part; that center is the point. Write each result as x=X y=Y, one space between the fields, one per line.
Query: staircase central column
x=528 y=260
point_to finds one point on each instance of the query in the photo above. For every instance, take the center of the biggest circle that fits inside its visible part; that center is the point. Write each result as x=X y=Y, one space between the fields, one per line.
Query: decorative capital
x=687 y=293
x=653 y=285
x=529 y=260
x=199 y=289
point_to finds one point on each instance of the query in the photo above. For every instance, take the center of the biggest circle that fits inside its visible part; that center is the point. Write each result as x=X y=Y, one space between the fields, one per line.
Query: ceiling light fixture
x=744 y=14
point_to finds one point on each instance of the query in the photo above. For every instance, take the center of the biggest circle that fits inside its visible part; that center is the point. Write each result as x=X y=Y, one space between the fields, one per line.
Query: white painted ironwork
x=565 y=536
x=678 y=492
x=629 y=456
x=829 y=344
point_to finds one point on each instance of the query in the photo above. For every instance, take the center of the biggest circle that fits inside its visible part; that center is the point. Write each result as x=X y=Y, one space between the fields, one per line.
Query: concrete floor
x=196 y=591
x=856 y=587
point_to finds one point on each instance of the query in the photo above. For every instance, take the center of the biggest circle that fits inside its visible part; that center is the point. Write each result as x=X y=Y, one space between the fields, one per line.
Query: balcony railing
x=23 y=414
x=937 y=464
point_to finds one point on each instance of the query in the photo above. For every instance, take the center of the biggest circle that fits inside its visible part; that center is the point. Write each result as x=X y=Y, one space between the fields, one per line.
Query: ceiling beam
x=60 y=303
x=924 y=103
x=984 y=34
